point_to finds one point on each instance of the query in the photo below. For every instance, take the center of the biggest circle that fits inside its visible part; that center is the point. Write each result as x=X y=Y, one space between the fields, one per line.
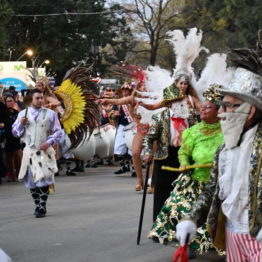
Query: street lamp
x=46 y=62
x=28 y=52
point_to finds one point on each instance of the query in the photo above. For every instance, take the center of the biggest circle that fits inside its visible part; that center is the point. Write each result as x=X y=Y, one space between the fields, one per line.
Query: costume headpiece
x=171 y=94
x=215 y=72
x=246 y=83
x=133 y=72
x=213 y=94
x=182 y=77
x=187 y=49
x=44 y=80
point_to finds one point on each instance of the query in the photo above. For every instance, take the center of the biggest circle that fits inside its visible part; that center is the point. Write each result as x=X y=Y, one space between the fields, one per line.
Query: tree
x=5 y=14
x=226 y=24
x=152 y=20
x=66 y=39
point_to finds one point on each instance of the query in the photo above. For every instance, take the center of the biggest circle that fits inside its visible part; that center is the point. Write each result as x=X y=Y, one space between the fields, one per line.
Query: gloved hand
x=4 y=257
x=259 y=235
x=184 y=228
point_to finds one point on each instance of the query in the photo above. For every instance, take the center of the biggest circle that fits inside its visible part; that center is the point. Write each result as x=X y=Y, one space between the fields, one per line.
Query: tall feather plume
x=250 y=59
x=129 y=71
x=187 y=49
x=82 y=78
x=215 y=72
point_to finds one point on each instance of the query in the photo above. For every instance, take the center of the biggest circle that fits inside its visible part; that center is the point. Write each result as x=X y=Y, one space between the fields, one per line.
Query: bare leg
x=150 y=189
x=136 y=152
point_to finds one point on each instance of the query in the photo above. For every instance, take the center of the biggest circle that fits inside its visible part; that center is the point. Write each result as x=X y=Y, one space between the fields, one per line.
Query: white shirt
x=234 y=165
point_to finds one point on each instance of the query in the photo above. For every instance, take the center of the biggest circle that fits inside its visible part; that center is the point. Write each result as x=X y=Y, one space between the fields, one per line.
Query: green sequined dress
x=199 y=144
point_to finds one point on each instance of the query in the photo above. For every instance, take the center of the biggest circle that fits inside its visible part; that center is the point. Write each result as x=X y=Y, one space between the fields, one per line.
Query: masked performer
x=39 y=129
x=199 y=145
x=231 y=200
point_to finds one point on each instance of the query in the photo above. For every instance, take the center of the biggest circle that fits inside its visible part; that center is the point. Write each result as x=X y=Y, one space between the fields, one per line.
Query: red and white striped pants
x=243 y=248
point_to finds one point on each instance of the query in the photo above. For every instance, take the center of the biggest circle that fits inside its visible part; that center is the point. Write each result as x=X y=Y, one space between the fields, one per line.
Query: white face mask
x=232 y=124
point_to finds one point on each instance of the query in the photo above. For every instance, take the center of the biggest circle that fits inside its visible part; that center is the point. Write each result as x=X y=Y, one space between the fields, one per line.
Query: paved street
x=92 y=217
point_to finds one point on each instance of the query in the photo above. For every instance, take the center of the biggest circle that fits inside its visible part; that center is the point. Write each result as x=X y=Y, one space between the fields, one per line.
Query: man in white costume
x=231 y=203
x=39 y=129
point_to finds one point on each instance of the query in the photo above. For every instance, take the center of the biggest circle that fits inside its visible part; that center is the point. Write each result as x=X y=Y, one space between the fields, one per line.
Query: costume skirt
x=177 y=206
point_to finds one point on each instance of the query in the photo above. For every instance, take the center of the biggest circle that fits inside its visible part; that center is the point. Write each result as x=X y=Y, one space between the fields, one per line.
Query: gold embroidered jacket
x=159 y=130
x=208 y=206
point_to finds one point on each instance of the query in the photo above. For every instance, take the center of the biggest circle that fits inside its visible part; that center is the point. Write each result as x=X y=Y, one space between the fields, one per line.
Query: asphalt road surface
x=92 y=217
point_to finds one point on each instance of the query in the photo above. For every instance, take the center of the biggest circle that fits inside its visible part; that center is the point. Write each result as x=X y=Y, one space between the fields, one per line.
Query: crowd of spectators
x=10 y=147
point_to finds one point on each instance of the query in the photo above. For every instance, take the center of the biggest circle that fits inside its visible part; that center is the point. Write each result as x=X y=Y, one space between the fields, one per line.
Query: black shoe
x=78 y=169
x=36 y=211
x=94 y=165
x=70 y=173
x=133 y=174
x=191 y=254
x=40 y=213
x=122 y=170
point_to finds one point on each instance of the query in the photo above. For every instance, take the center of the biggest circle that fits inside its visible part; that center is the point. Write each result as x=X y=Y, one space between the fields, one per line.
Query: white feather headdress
x=187 y=49
x=215 y=72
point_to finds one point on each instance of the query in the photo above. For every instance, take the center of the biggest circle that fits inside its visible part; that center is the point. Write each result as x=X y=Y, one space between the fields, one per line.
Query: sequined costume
x=199 y=145
x=208 y=206
x=162 y=130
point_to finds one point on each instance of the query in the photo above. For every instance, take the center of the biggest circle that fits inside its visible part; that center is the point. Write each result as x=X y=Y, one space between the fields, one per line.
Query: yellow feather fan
x=74 y=105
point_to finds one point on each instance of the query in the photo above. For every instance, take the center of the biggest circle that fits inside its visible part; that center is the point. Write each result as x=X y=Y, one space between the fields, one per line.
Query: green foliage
x=227 y=23
x=68 y=39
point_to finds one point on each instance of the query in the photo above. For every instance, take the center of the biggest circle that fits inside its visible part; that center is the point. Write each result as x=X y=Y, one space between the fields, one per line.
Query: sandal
x=138 y=188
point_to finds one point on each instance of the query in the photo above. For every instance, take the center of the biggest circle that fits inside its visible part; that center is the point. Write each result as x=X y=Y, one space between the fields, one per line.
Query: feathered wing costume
x=81 y=114
x=187 y=49
x=77 y=94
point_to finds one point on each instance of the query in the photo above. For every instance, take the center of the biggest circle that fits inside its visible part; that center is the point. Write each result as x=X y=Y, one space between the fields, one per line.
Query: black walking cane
x=143 y=205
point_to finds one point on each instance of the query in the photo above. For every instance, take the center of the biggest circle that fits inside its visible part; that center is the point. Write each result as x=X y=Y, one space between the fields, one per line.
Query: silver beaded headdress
x=246 y=83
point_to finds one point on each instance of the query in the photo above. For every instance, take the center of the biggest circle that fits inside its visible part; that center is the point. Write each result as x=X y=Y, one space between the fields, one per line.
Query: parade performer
x=79 y=116
x=108 y=110
x=231 y=200
x=182 y=81
x=141 y=129
x=39 y=129
x=123 y=118
x=163 y=130
x=199 y=144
